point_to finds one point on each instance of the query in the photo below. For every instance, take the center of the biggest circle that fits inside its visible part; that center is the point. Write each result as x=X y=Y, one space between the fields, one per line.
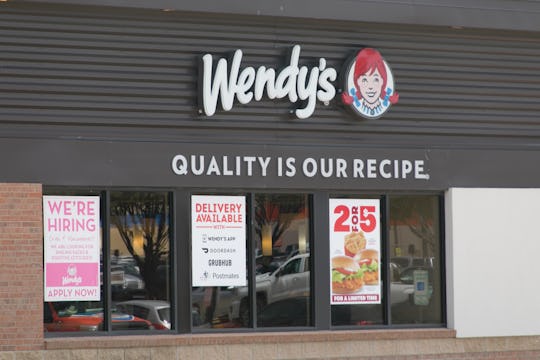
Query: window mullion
x=320 y=274
x=386 y=255
x=252 y=291
x=106 y=271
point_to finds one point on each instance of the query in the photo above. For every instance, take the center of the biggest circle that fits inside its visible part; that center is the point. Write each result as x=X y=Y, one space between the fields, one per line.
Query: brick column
x=21 y=267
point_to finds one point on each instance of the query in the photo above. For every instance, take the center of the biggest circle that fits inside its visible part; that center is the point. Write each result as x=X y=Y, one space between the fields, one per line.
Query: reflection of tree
x=277 y=211
x=419 y=214
x=143 y=215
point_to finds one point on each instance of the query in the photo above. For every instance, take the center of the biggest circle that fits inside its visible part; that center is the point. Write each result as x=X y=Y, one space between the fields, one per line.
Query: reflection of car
x=408 y=261
x=204 y=298
x=126 y=282
x=399 y=291
x=291 y=279
x=155 y=311
x=78 y=316
x=266 y=264
x=419 y=306
x=294 y=311
x=402 y=286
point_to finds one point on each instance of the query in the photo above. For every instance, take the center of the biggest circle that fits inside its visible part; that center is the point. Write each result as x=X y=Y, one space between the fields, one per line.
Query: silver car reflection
x=155 y=311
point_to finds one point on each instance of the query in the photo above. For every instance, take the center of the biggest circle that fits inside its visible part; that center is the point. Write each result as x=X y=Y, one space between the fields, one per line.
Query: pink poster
x=71 y=232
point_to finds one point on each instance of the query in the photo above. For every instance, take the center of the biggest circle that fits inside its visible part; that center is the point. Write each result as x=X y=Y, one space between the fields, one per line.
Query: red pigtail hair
x=346 y=98
x=394 y=98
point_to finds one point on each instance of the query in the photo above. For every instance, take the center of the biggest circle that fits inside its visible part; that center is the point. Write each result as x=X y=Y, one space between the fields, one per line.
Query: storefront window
x=415 y=262
x=135 y=274
x=280 y=253
x=410 y=263
x=219 y=258
x=140 y=255
x=251 y=264
x=282 y=261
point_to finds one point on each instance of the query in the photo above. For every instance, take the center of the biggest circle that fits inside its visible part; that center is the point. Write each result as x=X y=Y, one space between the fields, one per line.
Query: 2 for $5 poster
x=355 y=247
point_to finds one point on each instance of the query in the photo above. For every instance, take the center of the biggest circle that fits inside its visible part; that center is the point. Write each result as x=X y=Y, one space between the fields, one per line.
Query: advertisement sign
x=71 y=232
x=355 y=248
x=367 y=87
x=421 y=287
x=218 y=235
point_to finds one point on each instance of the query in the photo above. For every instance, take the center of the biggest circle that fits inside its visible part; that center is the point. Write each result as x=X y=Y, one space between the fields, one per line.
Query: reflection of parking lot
x=403 y=287
x=291 y=279
x=86 y=316
x=294 y=311
x=404 y=310
x=126 y=282
x=211 y=304
x=155 y=311
x=414 y=297
x=229 y=306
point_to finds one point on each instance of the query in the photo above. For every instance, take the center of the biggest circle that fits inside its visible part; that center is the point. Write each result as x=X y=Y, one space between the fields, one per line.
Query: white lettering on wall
x=263 y=166
x=297 y=83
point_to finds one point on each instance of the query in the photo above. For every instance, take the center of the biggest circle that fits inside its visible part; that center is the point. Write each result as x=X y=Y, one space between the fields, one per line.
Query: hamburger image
x=347 y=276
x=354 y=242
x=368 y=261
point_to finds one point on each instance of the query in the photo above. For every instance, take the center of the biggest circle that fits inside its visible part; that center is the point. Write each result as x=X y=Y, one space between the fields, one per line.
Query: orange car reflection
x=71 y=316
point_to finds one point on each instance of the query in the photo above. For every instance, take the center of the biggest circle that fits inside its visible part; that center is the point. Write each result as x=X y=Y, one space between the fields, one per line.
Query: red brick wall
x=21 y=316
x=500 y=355
x=21 y=269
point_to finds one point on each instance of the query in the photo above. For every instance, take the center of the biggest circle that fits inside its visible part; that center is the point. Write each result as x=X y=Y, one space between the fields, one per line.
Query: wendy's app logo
x=368 y=84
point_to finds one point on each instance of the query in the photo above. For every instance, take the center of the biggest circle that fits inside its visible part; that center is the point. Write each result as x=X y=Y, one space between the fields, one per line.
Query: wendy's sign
x=367 y=83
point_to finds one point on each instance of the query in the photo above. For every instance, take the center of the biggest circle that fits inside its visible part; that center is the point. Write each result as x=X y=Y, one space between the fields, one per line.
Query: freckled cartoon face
x=370 y=85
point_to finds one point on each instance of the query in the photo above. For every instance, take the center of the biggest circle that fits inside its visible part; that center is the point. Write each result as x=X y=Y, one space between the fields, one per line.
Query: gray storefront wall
x=108 y=96
x=91 y=93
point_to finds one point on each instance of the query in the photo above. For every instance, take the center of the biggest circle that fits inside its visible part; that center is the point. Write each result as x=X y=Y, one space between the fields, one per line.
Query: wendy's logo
x=368 y=84
x=71 y=278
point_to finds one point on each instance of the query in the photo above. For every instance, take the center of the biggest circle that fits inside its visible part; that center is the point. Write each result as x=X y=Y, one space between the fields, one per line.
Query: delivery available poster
x=71 y=232
x=355 y=247
x=218 y=240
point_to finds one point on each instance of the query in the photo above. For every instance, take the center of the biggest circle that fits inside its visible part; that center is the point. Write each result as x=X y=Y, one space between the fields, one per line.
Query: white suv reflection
x=291 y=279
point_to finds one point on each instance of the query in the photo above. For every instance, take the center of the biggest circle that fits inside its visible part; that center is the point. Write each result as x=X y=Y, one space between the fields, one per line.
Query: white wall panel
x=493 y=268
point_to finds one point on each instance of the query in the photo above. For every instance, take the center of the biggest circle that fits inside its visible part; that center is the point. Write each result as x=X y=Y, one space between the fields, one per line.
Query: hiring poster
x=355 y=248
x=218 y=235
x=71 y=232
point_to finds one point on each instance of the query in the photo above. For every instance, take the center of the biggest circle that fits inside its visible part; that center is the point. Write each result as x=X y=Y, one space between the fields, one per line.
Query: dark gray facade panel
x=135 y=164
x=491 y=14
x=122 y=68
x=102 y=90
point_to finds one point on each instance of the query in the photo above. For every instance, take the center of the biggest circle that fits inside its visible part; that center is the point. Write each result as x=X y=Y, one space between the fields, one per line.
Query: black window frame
x=180 y=243
x=104 y=194
x=250 y=251
x=384 y=197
